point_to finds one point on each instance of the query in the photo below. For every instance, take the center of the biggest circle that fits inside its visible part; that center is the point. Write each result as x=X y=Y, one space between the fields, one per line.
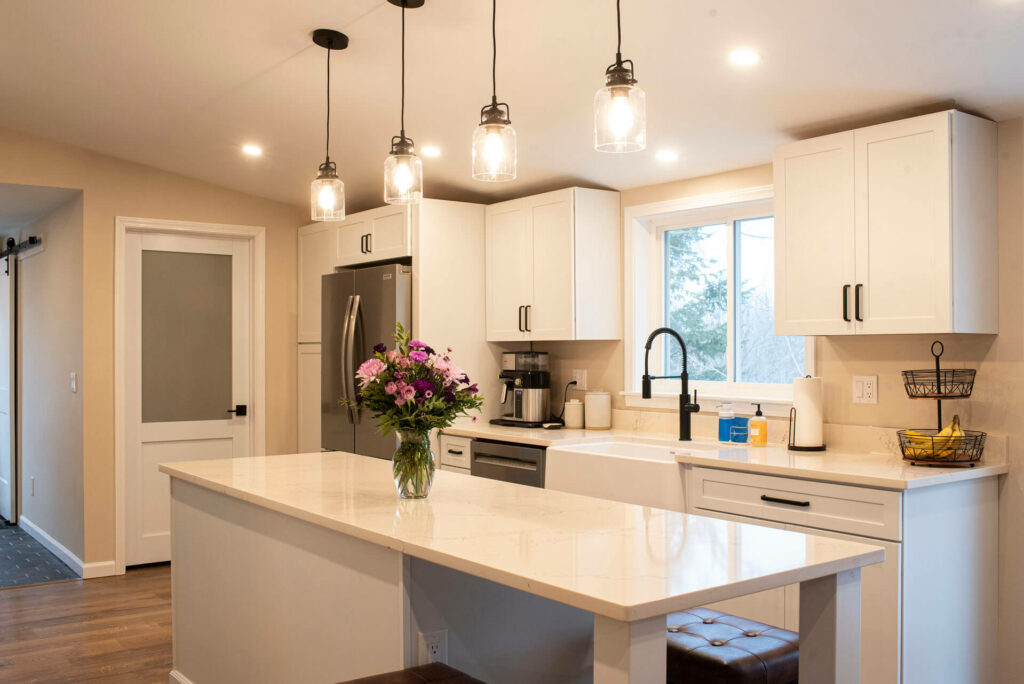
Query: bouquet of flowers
x=413 y=389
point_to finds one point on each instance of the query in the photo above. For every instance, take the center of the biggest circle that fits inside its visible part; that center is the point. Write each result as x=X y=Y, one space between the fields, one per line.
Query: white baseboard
x=82 y=569
x=177 y=678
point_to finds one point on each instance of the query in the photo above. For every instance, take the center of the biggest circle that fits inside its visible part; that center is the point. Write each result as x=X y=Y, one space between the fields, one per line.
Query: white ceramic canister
x=574 y=414
x=598 y=409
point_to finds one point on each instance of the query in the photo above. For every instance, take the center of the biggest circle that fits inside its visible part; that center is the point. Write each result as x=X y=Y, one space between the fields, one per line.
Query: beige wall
x=49 y=350
x=117 y=188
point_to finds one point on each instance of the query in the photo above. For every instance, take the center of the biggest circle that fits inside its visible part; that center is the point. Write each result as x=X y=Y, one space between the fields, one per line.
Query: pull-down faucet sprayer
x=686 y=407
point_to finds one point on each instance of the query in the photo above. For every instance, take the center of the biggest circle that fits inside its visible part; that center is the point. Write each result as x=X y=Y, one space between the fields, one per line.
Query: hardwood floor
x=113 y=629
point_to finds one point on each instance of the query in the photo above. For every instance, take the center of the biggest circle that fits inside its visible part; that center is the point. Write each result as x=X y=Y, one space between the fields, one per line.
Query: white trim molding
x=256 y=237
x=176 y=677
x=82 y=569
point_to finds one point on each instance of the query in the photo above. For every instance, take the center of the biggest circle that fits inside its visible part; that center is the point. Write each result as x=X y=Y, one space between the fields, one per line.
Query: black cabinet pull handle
x=362 y=244
x=521 y=328
x=846 y=303
x=528 y=307
x=856 y=302
x=788 y=502
x=455 y=452
x=369 y=243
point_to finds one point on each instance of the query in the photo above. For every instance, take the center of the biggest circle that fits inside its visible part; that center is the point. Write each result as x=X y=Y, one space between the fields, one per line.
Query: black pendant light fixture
x=620 y=109
x=494 y=140
x=403 y=170
x=327 y=195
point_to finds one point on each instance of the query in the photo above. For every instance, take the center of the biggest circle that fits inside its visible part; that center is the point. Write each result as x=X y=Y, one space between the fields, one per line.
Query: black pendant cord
x=402 y=130
x=327 y=146
x=494 y=52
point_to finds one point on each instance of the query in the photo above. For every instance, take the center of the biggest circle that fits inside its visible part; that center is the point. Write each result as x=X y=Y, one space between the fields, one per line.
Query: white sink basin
x=649 y=450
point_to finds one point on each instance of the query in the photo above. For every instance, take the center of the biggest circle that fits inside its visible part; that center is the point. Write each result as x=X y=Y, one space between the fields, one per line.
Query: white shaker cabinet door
x=881 y=609
x=309 y=398
x=903 y=226
x=389 y=233
x=316 y=242
x=551 y=315
x=509 y=247
x=814 y=237
x=351 y=241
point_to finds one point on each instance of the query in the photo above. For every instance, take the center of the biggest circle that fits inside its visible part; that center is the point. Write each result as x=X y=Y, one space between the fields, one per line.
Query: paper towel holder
x=792 y=435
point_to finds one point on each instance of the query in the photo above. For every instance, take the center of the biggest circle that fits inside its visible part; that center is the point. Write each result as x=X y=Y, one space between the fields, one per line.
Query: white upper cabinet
x=888 y=229
x=374 y=235
x=315 y=254
x=553 y=267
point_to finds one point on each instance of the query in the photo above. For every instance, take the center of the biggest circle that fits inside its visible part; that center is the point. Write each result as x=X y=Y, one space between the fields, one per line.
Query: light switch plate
x=865 y=389
x=580 y=376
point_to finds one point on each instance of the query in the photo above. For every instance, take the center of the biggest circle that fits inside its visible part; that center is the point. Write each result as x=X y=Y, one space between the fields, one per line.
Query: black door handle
x=369 y=242
x=455 y=452
x=846 y=303
x=239 y=410
x=528 y=307
x=788 y=502
x=856 y=302
x=521 y=328
x=362 y=244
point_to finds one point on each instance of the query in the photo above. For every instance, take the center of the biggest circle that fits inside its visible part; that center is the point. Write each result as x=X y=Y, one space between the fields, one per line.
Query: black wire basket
x=947 y=383
x=926 y=447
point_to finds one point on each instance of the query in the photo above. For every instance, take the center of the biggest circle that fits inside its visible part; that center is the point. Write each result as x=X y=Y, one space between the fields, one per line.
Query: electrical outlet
x=74 y=382
x=580 y=376
x=433 y=647
x=865 y=389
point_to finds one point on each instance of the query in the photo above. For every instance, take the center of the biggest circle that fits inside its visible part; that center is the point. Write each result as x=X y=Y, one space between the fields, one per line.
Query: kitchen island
x=308 y=568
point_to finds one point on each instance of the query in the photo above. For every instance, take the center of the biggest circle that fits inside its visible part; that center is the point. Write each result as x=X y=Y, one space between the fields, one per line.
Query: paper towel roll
x=808 y=398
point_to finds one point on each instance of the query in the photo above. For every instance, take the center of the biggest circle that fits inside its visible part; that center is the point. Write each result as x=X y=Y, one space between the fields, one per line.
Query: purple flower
x=359 y=398
x=423 y=386
x=449 y=395
x=472 y=389
x=430 y=350
x=379 y=348
x=416 y=344
x=418 y=356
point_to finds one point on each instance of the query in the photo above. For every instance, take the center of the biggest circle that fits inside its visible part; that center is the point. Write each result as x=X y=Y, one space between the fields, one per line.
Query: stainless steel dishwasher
x=517 y=463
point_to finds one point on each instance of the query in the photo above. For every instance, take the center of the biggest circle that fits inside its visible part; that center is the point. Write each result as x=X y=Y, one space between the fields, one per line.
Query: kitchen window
x=708 y=273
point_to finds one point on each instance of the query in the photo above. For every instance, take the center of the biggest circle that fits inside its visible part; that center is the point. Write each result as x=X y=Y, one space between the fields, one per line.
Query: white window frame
x=645 y=226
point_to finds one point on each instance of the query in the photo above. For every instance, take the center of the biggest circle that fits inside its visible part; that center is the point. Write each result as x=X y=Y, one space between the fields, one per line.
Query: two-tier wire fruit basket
x=947 y=445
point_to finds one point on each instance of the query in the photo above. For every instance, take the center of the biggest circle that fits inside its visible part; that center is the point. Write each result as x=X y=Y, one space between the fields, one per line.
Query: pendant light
x=327 y=195
x=403 y=170
x=494 y=140
x=620 y=110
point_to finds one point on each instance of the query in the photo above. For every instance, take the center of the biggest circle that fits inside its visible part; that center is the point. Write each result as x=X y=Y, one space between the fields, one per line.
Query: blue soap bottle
x=725 y=421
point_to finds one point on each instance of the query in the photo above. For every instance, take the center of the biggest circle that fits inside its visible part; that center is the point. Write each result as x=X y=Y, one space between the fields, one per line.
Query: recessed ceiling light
x=430 y=151
x=667 y=155
x=252 y=150
x=744 y=57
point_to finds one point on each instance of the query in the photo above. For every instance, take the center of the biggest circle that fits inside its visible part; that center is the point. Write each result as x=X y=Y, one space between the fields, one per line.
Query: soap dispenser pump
x=758 y=429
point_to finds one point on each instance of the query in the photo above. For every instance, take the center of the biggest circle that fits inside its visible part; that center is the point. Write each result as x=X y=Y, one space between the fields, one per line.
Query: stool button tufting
x=673 y=629
x=709 y=621
x=751 y=633
x=717 y=642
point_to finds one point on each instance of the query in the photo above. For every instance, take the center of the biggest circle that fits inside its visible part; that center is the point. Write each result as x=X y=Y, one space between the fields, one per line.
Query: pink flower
x=392 y=355
x=391 y=388
x=418 y=356
x=369 y=370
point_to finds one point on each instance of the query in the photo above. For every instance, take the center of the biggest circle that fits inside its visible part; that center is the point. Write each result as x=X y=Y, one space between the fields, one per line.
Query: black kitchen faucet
x=686 y=407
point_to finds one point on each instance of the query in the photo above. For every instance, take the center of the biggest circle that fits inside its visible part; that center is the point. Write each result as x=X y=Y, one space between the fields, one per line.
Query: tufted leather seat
x=435 y=673
x=715 y=648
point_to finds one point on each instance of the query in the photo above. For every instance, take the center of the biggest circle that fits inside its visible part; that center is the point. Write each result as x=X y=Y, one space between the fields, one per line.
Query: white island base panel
x=299 y=578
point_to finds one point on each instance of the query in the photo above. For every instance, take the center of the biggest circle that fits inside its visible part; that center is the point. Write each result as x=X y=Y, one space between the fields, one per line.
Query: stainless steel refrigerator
x=360 y=307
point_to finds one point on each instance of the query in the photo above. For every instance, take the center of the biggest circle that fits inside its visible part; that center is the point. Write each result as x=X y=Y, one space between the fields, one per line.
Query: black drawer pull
x=788 y=502
x=846 y=303
x=454 y=452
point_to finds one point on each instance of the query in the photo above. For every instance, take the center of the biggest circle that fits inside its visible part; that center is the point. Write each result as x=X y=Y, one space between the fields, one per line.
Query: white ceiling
x=181 y=85
x=23 y=204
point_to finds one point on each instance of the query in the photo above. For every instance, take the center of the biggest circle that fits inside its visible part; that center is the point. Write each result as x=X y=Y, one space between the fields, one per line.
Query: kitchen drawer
x=840 y=508
x=455 y=451
x=453 y=469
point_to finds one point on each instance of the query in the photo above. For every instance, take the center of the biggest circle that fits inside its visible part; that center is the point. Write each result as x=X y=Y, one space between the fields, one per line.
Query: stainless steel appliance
x=525 y=389
x=515 y=463
x=359 y=309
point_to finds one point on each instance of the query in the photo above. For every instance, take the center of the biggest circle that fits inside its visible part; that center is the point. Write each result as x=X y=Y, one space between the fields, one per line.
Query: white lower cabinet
x=937 y=582
x=454 y=452
x=309 y=398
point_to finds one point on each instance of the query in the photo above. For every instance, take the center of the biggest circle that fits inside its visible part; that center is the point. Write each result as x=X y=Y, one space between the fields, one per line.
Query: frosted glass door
x=187 y=368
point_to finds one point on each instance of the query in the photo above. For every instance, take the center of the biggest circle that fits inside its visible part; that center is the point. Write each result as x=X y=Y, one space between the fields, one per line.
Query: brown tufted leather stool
x=715 y=648
x=435 y=673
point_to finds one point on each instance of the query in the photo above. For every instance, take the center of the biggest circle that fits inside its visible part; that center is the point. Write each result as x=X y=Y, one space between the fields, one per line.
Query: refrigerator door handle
x=342 y=352
x=348 y=367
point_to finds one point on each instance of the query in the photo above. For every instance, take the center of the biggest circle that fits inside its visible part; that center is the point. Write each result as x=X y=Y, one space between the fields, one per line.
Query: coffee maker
x=525 y=389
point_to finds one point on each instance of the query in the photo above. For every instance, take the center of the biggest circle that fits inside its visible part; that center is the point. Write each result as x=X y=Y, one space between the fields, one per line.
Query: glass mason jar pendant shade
x=620 y=119
x=494 y=146
x=327 y=195
x=403 y=174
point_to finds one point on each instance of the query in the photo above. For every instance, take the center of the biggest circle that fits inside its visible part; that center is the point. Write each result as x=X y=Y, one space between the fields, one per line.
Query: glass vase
x=413 y=464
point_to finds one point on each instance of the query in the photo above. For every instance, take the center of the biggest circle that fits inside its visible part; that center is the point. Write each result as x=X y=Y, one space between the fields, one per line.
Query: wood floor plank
x=114 y=629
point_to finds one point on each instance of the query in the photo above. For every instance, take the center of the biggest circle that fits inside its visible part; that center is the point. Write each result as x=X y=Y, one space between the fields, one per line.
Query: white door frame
x=256 y=236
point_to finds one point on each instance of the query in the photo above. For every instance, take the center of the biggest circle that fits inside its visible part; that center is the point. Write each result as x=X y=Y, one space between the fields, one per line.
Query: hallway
x=113 y=629
x=25 y=561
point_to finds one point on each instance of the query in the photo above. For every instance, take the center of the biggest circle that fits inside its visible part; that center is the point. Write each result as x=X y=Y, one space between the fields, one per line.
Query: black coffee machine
x=525 y=389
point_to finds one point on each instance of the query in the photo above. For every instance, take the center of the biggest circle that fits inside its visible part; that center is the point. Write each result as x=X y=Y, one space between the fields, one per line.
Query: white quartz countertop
x=868 y=470
x=881 y=470
x=619 y=560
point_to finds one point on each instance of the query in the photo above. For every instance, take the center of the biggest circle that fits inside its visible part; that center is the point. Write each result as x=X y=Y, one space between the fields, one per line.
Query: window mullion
x=730 y=317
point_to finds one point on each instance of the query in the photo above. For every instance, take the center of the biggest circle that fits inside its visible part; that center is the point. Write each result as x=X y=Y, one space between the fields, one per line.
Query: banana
x=943 y=445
